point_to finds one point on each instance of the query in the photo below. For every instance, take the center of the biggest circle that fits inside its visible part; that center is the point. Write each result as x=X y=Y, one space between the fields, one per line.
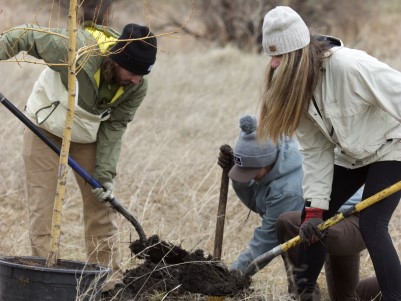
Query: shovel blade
x=261 y=261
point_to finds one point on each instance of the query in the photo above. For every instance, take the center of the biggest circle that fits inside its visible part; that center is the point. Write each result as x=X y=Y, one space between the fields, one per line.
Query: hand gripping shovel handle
x=74 y=165
x=265 y=258
x=221 y=211
x=221 y=215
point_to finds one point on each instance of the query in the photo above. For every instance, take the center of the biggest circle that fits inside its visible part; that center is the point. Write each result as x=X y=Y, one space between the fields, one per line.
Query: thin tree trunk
x=63 y=164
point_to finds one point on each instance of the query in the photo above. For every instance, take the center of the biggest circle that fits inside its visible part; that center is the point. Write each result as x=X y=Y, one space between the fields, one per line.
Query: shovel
x=75 y=166
x=221 y=215
x=267 y=257
x=221 y=210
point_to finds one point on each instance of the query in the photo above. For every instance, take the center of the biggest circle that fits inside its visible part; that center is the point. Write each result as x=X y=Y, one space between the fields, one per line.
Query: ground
x=174 y=273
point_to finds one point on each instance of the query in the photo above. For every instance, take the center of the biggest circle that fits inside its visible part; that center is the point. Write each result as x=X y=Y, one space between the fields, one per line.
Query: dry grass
x=167 y=175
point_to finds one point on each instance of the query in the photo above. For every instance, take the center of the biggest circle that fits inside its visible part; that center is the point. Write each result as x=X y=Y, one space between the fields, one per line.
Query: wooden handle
x=221 y=211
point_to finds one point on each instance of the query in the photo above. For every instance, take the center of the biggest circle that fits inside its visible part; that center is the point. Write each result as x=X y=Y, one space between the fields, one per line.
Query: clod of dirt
x=170 y=268
x=155 y=250
x=205 y=276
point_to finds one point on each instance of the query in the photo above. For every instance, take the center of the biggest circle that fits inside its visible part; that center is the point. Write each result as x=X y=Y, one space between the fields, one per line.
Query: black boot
x=306 y=295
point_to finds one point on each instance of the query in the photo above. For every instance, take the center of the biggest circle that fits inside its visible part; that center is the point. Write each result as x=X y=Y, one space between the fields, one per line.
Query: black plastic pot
x=27 y=278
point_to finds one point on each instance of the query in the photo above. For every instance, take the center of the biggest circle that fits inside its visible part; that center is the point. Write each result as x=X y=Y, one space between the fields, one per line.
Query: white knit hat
x=284 y=31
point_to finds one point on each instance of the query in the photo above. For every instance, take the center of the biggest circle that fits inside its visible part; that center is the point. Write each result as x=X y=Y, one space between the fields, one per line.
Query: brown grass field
x=167 y=175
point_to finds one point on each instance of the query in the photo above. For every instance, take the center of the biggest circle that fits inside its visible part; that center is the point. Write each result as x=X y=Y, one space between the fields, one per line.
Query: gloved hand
x=309 y=232
x=226 y=157
x=103 y=194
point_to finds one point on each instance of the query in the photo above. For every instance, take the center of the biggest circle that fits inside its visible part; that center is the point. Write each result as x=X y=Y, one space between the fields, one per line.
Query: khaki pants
x=100 y=226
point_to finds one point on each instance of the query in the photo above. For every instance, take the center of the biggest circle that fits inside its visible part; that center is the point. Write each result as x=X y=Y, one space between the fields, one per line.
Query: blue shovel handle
x=75 y=166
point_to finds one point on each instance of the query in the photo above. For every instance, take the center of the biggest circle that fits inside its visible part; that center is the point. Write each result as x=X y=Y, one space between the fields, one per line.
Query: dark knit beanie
x=137 y=56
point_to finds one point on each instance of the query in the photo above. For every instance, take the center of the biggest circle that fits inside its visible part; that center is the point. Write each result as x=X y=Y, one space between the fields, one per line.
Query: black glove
x=309 y=232
x=226 y=157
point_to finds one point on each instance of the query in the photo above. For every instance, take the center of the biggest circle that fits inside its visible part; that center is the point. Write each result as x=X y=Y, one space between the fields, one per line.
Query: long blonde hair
x=289 y=89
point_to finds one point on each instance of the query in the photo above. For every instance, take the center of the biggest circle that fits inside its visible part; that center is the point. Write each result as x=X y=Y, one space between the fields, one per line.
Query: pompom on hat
x=284 y=31
x=250 y=154
x=136 y=56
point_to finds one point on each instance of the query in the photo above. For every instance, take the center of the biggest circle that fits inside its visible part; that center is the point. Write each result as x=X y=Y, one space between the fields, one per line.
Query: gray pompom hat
x=284 y=31
x=251 y=154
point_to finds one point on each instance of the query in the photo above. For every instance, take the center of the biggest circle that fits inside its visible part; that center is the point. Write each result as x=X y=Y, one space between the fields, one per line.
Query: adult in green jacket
x=111 y=84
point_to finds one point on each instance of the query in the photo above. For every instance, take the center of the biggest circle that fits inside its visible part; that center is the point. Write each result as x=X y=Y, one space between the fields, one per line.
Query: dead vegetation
x=237 y=22
x=167 y=175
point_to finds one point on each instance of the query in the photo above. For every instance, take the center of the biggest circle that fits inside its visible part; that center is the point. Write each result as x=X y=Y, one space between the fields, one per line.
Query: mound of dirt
x=156 y=250
x=171 y=269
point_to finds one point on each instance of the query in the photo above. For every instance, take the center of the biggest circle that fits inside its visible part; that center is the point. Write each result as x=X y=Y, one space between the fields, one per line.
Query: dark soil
x=170 y=269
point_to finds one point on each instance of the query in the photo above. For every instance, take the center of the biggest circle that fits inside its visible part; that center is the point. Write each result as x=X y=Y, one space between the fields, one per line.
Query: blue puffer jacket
x=279 y=191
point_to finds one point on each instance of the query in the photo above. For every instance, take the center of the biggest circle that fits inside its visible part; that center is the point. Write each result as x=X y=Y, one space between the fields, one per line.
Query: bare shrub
x=341 y=18
x=98 y=11
x=240 y=22
x=234 y=21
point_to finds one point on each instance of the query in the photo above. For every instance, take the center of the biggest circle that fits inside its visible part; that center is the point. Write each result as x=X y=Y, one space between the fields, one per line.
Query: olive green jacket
x=53 y=49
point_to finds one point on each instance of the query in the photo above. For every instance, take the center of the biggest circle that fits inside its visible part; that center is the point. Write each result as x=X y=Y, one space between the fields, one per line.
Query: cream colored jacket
x=354 y=121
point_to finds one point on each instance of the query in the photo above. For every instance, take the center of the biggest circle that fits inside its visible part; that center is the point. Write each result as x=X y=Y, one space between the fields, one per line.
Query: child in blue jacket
x=267 y=178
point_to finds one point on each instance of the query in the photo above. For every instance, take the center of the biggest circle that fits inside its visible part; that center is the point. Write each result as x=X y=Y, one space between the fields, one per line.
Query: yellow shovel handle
x=265 y=258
